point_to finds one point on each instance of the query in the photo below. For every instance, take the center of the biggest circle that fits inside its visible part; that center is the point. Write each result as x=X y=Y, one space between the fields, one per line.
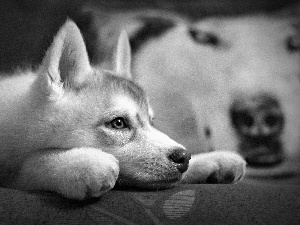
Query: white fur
x=57 y=131
x=192 y=85
x=154 y=69
x=30 y=104
x=123 y=56
x=77 y=173
x=224 y=163
x=205 y=80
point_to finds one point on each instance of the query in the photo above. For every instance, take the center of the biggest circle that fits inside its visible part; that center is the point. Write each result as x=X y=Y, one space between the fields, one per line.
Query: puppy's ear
x=66 y=65
x=123 y=56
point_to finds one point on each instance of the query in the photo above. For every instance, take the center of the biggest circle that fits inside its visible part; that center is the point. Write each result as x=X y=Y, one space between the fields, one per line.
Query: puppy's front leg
x=215 y=167
x=76 y=173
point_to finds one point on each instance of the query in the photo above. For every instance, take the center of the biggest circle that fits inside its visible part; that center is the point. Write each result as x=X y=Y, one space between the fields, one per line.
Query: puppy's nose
x=257 y=117
x=181 y=157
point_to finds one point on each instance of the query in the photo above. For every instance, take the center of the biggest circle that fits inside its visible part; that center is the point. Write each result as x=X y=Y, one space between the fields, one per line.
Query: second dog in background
x=220 y=83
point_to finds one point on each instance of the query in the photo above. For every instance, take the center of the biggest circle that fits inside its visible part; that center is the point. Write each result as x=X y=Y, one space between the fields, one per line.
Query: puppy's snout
x=257 y=117
x=181 y=157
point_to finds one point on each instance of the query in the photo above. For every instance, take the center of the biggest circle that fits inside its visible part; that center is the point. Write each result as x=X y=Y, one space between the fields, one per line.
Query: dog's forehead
x=122 y=101
x=124 y=92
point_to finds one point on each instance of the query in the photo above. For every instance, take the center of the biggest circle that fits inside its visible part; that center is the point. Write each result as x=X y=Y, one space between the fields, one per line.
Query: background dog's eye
x=202 y=37
x=151 y=121
x=118 y=123
x=293 y=44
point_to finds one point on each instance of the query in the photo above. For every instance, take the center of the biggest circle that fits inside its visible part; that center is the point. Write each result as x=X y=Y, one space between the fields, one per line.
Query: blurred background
x=27 y=26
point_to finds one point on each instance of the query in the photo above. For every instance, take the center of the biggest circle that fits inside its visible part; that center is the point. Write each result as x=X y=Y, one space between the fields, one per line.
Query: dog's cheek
x=112 y=140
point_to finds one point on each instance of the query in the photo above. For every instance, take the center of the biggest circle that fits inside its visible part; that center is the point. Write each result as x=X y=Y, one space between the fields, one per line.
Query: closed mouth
x=262 y=153
x=263 y=158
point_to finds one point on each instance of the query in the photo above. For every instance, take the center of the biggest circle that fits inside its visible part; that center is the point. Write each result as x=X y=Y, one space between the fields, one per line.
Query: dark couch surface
x=243 y=203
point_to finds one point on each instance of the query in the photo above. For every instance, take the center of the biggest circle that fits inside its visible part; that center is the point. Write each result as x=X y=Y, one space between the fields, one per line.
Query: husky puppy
x=226 y=83
x=77 y=130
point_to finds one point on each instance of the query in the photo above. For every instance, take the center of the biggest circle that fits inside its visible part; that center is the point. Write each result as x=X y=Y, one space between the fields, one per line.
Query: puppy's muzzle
x=181 y=159
x=259 y=122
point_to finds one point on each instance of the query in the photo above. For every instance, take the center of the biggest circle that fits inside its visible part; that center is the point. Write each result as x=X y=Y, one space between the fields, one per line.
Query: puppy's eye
x=118 y=123
x=205 y=38
x=293 y=44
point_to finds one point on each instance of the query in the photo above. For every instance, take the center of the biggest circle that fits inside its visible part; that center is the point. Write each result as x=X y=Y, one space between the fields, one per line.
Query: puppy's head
x=82 y=106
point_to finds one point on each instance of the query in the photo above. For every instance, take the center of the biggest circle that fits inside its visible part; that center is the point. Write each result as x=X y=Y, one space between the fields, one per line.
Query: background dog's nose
x=181 y=157
x=257 y=117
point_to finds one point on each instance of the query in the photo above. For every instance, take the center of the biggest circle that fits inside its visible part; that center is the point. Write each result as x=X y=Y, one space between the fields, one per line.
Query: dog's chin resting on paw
x=76 y=130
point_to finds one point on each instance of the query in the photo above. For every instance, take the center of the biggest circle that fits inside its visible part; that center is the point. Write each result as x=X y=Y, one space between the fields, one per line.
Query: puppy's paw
x=216 y=167
x=229 y=168
x=88 y=173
